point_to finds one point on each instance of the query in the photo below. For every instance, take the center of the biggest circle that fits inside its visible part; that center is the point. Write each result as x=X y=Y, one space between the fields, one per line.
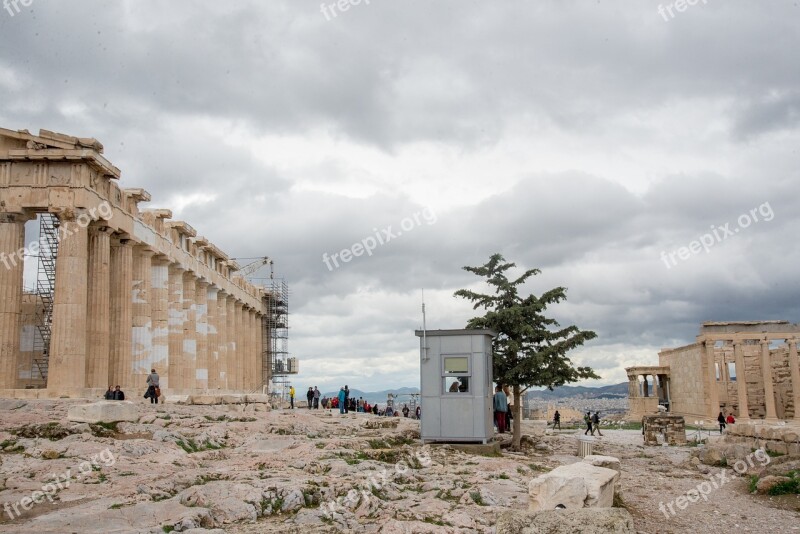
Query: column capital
x=763 y=342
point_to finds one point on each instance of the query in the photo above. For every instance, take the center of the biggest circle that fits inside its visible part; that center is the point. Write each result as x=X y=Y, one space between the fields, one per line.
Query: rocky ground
x=244 y=470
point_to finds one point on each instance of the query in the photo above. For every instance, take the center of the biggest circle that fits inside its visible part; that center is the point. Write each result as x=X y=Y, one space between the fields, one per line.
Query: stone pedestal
x=671 y=429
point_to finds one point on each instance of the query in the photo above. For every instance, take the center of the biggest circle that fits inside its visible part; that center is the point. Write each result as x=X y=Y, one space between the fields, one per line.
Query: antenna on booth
x=424 y=338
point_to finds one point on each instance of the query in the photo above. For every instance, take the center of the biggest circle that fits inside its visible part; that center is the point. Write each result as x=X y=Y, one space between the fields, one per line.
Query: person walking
x=346 y=399
x=153 y=389
x=342 y=399
x=596 y=423
x=316 y=398
x=500 y=404
x=310 y=397
x=588 y=420
x=721 y=421
x=556 y=420
x=510 y=399
x=291 y=397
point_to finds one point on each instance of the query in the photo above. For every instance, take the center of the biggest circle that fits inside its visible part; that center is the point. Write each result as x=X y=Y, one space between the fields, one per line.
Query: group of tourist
x=724 y=421
x=346 y=404
x=502 y=403
x=153 y=390
x=592 y=423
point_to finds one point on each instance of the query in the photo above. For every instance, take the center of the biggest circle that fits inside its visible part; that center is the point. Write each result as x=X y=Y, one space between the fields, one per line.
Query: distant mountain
x=376 y=397
x=604 y=392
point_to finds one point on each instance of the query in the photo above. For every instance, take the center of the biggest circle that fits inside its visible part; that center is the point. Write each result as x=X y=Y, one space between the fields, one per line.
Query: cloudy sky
x=592 y=140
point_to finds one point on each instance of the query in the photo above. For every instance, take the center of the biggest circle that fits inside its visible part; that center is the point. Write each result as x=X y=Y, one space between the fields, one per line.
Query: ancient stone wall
x=688 y=393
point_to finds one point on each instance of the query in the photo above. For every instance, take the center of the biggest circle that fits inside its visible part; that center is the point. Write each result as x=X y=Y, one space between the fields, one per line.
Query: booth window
x=455 y=374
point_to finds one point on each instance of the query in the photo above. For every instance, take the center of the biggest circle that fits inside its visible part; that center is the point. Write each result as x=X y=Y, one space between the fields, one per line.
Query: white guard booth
x=456 y=385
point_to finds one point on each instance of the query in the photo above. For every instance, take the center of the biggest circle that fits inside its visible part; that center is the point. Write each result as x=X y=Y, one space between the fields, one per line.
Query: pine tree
x=530 y=348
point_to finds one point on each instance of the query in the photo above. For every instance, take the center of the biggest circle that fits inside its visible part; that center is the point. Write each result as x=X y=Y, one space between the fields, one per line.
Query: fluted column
x=12 y=240
x=241 y=348
x=160 y=309
x=252 y=373
x=231 y=335
x=99 y=312
x=741 y=381
x=222 y=339
x=794 y=367
x=201 y=321
x=67 y=365
x=177 y=316
x=212 y=337
x=711 y=383
x=120 y=361
x=142 y=350
x=189 y=331
x=766 y=373
x=259 y=352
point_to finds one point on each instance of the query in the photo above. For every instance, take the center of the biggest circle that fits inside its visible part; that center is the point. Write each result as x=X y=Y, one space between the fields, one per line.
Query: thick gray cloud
x=591 y=140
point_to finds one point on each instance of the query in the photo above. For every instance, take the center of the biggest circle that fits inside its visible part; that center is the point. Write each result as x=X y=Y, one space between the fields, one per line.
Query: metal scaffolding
x=45 y=291
x=277 y=365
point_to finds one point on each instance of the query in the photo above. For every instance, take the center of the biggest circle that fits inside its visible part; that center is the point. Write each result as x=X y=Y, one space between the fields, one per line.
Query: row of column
x=766 y=376
x=120 y=310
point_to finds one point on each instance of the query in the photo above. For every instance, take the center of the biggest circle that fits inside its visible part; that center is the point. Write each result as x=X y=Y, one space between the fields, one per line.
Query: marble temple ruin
x=132 y=289
x=747 y=368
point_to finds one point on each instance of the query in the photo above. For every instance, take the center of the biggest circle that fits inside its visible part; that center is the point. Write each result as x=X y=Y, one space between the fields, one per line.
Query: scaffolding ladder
x=45 y=291
x=276 y=362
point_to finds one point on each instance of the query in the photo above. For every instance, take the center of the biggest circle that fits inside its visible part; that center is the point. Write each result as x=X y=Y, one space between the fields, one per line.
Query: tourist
x=405 y=410
x=110 y=393
x=153 y=389
x=310 y=397
x=556 y=420
x=374 y=409
x=346 y=399
x=500 y=404
x=419 y=412
x=721 y=421
x=291 y=397
x=588 y=420
x=730 y=420
x=596 y=423
x=316 y=398
x=118 y=394
x=510 y=399
x=342 y=400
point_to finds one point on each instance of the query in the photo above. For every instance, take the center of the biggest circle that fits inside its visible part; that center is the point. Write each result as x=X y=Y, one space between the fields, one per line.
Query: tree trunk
x=516 y=411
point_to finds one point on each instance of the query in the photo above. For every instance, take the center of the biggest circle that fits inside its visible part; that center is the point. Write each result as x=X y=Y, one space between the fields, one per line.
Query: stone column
x=213 y=337
x=99 y=312
x=222 y=339
x=232 y=345
x=189 y=331
x=160 y=306
x=255 y=368
x=176 y=319
x=142 y=350
x=794 y=367
x=201 y=321
x=711 y=382
x=741 y=381
x=67 y=365
x=121 y=363
x=12 y=240
x=766 y=372
x=259 y=353
x=241 y=348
